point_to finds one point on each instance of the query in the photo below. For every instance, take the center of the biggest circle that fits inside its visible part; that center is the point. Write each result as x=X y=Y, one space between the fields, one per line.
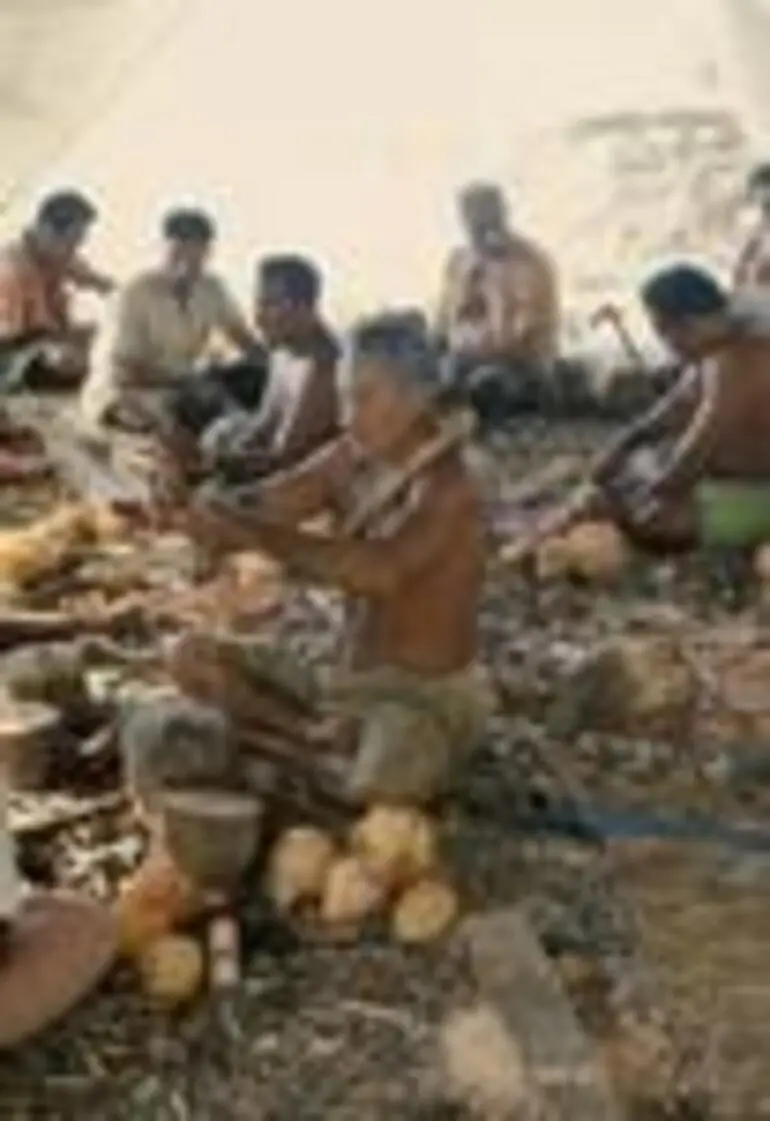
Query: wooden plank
x=516 y=980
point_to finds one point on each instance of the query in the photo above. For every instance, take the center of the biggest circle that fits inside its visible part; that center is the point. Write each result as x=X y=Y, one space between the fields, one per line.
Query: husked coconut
x=397 y=845
x=298 y=867
x=638 y=684
x=425 y=912
x=156 y=900
x=351 y=895
x=595 y=552
x=254 y=570
x=171 y=970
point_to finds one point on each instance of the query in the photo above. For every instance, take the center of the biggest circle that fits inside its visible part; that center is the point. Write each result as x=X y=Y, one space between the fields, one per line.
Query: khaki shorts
x=415 y=734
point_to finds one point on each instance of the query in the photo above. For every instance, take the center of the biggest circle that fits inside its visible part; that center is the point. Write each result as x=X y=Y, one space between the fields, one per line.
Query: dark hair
x=401 y=339
x=682 y=292
x=188 y=225
x=64 y=211
x=759 y=176
x=482 y=191
x=299 y=278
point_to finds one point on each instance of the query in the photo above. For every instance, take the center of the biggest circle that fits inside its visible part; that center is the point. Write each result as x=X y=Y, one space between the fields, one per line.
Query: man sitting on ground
x=300 y=409
x=411 y=580
x=499 y=309
x=40 y=345
x=695 y=470
x=167 y=320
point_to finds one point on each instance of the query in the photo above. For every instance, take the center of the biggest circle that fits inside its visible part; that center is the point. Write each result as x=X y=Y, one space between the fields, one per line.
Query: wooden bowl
x=211 y=835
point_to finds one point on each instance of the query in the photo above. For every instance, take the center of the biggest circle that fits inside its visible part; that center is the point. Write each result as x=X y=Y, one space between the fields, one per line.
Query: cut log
x=528 y=1005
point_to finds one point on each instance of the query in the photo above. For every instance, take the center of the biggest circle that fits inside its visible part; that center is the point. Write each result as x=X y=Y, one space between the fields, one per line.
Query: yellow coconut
x=171 y=971
x=397 y=844
x=351 y=895
x=425 y=912
x=298 y=867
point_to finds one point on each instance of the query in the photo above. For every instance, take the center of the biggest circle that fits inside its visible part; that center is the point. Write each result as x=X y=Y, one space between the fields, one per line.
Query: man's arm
x=689 y=452
x=370 y=569
x=671 y=414
x=84 y=276
x=288 y=497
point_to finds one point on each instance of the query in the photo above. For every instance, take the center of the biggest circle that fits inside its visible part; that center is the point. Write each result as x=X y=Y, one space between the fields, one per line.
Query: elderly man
x=40 y=345
x=695 y=470
x=167 y=320
x=498 y=316
x=54 y=947
x=411 y=579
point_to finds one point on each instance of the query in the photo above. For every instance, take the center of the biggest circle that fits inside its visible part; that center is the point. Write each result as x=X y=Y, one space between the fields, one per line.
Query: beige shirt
x=155 y=330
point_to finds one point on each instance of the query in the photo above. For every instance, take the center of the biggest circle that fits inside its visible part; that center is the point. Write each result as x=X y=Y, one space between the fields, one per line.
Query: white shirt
x=288 y=378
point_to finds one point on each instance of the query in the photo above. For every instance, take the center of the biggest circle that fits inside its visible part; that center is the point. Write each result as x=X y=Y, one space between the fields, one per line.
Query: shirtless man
x=40 y=345
x=752 y=270
x=695 y=470
x=411 y=583
x=498 y=317
x=300 y=409
x=167 y=320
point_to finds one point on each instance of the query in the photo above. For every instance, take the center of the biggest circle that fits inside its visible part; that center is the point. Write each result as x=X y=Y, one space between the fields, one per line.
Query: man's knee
x=403 y=756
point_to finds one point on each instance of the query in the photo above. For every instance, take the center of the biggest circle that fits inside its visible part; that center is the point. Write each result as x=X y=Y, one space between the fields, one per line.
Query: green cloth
x=733 y=514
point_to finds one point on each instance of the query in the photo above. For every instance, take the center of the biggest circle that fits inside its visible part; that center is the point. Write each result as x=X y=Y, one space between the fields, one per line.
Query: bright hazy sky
x=343 y=127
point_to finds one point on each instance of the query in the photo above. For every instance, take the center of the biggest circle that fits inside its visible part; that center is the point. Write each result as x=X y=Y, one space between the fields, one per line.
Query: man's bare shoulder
x=531 y=252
